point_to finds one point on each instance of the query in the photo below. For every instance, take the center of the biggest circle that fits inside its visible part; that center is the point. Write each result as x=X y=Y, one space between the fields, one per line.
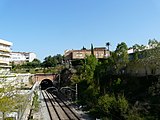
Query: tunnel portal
x=45 y=84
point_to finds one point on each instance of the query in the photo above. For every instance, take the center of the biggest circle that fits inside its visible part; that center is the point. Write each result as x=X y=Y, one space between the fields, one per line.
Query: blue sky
x=48 y=27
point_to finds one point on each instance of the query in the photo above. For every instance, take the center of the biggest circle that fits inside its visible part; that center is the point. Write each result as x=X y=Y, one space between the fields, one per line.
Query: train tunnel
x=45 y=84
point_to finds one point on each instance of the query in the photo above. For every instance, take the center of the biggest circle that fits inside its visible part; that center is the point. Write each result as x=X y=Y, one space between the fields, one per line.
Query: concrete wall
x=40 y=77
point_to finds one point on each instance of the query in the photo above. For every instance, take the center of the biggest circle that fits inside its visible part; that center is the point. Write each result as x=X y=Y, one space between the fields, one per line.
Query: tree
x=10 y=99
x=83 y=48
x=52 y=61
x=122 y=54
x=59 y=58
x=49 y=62
x=108 y=44
x=6 y=105
x=142 y=47
x=121 y=49
x=153 y=43
x=92 y=49
x=136 y=48
x=86 y=86
x=36 y=63
x=111 y=107
x=100 y=77
x=89 y=67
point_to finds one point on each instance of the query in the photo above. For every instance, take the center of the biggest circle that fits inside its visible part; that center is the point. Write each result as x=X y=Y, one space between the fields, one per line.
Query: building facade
x=99 y=52
x=22 y=57
x=5 y=55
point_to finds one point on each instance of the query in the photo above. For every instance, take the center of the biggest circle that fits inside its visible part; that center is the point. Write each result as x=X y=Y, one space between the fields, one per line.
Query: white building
x=30 y=56
x=5 y=55
x=22 y=57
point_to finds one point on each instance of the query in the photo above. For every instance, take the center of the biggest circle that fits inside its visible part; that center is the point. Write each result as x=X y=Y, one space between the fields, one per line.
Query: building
x=99 y=52
x=30 y=56
x=5 y=55
x=22 y=57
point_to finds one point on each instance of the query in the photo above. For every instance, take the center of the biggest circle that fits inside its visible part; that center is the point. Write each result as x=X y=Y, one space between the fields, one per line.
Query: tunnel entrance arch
x=46 y=83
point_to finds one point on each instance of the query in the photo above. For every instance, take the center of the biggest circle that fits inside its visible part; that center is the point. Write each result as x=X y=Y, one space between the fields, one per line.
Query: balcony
x=5 y=54
x=4 y=62
x=5 y=49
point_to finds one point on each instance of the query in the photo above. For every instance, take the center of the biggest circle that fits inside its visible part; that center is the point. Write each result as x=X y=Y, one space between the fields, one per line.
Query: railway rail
x=57 y=108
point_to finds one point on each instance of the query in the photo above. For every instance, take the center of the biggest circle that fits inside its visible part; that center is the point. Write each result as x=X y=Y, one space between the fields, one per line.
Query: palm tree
x=108 y=44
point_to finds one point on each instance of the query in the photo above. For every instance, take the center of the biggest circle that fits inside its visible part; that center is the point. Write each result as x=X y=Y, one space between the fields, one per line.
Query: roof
x=5 y=42
x=99 y=48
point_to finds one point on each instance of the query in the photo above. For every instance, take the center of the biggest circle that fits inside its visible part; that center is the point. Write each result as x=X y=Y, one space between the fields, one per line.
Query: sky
x=49 y=27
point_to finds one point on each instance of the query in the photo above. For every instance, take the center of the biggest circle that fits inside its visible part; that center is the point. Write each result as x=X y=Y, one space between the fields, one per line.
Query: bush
x=111 y=107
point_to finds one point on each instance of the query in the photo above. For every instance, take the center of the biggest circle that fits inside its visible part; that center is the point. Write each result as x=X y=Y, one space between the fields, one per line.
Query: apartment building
x=5 y=55
x=22 y=57
x=99 y=52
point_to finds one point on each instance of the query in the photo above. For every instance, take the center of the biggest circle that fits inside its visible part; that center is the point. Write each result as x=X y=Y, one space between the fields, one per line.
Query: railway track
x=57 y=108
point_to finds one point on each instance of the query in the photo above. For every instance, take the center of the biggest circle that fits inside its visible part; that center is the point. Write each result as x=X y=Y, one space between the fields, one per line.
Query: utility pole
x=76 y=93
x=59 y=80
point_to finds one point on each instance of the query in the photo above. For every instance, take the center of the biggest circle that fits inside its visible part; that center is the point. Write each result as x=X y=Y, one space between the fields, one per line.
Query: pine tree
x=92 y=50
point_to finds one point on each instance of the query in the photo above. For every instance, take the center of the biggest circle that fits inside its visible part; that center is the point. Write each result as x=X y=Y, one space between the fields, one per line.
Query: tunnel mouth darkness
x=46 y=83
